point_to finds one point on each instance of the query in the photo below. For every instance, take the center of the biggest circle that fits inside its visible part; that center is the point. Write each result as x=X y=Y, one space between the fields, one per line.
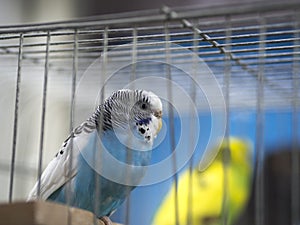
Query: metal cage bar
x=46 y=70
x=14 y=144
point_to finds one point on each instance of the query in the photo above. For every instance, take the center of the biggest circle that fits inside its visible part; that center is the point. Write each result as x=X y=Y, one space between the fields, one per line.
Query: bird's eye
x=143 y=106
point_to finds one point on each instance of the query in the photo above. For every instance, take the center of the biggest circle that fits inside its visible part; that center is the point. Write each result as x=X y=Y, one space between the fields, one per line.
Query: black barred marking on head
x=127 y=105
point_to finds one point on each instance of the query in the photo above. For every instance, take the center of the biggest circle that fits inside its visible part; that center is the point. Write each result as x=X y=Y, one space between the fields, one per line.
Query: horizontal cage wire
x=221 y=72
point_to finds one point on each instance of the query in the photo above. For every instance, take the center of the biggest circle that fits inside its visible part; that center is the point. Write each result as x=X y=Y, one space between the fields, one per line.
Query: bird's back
x=90 y=190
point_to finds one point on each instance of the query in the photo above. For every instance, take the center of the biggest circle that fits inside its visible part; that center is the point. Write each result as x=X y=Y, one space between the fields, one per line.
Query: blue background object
x=277 y=130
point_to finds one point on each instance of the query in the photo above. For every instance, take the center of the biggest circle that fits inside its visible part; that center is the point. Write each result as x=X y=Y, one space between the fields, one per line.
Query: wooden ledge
x=46 y=213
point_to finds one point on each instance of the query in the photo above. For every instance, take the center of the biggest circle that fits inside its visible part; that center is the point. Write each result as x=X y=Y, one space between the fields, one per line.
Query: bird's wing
x=63 y=167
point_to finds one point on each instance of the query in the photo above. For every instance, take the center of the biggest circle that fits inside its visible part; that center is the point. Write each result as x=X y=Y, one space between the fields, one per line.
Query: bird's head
x=142 y=109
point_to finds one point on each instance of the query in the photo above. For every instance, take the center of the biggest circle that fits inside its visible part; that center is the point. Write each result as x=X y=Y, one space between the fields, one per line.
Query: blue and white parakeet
x=126 y=124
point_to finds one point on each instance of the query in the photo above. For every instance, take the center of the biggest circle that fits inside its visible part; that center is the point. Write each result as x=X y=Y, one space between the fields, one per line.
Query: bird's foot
x=106 y=220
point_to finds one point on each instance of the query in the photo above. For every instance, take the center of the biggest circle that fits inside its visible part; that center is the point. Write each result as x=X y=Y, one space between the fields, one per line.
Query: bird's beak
x=158 y=114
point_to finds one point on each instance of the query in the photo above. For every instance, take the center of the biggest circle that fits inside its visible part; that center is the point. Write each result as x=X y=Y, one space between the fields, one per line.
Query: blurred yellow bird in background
x=218 y=193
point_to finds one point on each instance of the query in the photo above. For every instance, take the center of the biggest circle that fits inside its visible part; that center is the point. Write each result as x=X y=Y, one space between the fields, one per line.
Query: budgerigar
x=201 y=194
x=126 y=124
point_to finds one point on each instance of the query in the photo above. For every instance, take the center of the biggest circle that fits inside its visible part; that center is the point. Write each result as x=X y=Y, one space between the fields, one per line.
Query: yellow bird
x=218 y=193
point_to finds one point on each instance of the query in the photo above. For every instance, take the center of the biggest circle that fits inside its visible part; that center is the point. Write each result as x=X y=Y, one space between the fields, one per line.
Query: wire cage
x=236 y=66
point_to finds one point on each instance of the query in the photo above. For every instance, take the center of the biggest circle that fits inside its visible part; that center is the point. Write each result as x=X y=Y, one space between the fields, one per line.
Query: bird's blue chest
x=90 y=190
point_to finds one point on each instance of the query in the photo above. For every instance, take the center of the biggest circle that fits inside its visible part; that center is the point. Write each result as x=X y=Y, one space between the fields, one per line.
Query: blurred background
x=254 y=56
x=37 y=11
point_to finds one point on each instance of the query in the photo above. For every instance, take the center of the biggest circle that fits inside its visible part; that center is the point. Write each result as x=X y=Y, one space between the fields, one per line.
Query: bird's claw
x=106 y=220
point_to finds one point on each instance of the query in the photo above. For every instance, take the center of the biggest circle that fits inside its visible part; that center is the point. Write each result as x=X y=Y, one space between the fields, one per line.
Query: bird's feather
x=131 y=115
x=61 y=168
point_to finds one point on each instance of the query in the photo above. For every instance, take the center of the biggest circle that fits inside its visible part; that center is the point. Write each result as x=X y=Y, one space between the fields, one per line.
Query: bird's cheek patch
x=144 y=131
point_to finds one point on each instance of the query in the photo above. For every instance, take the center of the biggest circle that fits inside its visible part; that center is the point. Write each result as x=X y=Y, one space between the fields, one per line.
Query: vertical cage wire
x=191 y=165
x=295 y=162
x=44 y=100
x=72 y=116
x=259 y=186
x=15 y=131
x=103 y=77
x=171 y=118
x=226 y=153
x=134 y=56
x=104 y=59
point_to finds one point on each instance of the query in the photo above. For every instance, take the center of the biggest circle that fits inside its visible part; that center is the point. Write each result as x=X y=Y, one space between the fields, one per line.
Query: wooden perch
x=46 y=213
